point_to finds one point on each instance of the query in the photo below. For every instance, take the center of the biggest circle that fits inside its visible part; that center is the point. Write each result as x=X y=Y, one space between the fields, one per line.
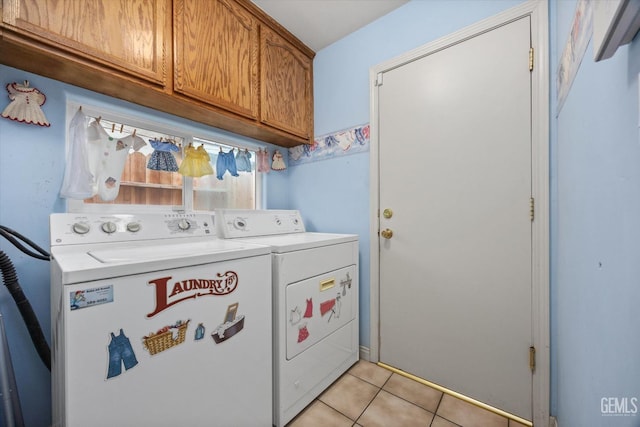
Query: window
x=231 y=192
x=147 y=184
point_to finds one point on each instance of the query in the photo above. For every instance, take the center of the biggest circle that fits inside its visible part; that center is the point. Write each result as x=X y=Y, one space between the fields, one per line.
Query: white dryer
x=155 y=322
x=315 y=302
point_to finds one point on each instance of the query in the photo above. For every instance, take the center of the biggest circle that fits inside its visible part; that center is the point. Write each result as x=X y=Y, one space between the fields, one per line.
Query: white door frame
x=537 y=10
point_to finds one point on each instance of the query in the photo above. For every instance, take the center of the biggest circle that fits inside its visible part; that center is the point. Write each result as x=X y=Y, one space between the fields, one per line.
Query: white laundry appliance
x=155 y=322
x=315 y=302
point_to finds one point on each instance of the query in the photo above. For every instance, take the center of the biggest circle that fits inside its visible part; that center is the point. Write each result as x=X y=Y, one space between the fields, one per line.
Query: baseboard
x=365 y=353
x=553 y=422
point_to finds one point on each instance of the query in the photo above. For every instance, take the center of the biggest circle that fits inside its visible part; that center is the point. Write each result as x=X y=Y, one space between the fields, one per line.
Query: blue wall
x=31 y=171
x=596 y=240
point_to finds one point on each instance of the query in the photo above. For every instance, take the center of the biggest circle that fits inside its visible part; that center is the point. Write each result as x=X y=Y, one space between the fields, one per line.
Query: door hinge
x=379 y=79
x=532 y=208
x=532 y=358
x=531 y=59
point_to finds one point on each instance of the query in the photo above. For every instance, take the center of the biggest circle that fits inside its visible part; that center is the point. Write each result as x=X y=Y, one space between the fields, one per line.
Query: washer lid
x=163 y=252
x=80 y=263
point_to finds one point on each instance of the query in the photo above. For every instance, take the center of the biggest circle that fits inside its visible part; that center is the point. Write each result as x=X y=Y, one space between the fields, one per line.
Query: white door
x=455 y=169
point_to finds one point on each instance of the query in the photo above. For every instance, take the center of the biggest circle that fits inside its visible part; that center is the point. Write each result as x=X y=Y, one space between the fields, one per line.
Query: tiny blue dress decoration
x=162 y=159
x=243 y=160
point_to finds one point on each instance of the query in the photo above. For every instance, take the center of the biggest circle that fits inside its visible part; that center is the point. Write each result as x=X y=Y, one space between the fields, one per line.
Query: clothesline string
x=112 y=127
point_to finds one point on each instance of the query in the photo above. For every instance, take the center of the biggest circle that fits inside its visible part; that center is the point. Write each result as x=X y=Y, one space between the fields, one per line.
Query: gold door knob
x=386 y=233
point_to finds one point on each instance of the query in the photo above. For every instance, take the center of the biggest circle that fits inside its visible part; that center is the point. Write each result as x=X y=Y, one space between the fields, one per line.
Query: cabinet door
x=127 y=36
x=216 y=54
x=286 y=75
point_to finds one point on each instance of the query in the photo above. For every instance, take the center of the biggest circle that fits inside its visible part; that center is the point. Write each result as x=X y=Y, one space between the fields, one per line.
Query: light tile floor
x=371 y=396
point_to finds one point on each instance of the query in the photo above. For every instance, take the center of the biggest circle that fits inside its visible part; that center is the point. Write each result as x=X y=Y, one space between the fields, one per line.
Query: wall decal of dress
x=25 y=104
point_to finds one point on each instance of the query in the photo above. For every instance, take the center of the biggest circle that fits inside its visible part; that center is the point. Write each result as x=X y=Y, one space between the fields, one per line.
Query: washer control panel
x=72 y=228
x=233 y=223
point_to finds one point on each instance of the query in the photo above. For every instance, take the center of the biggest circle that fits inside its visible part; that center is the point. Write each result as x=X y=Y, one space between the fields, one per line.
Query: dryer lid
x=299 y=241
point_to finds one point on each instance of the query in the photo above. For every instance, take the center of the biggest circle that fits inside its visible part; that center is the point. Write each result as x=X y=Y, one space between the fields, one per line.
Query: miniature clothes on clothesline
x=138 y=143
x=226 y=162
x=107 y=157
x=196 y=162
x=263 y=161
x=243 y=160
x=95 y=161
x=162 y=159
x=78 y=179
x=278 y=161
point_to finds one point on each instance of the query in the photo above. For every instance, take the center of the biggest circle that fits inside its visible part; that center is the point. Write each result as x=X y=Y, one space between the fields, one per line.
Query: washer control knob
x=183 y=224
x=81 y=228
x=239 y=223
x=109 y=227
x=133 y=227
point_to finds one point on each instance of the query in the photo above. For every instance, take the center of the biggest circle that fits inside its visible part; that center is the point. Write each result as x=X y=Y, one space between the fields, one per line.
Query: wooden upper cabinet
x=216 y=54
x=224 y=63
x=128 y=36
x=286 y=76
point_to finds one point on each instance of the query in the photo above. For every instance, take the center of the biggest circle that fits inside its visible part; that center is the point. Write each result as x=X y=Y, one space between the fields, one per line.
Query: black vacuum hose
x=10 y=280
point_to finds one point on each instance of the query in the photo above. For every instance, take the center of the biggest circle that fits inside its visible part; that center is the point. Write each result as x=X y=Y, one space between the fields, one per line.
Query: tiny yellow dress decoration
x=196 y=162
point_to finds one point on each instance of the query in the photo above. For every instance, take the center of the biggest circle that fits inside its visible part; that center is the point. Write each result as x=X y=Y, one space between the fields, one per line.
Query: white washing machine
x=315 y=302
x=155 y=322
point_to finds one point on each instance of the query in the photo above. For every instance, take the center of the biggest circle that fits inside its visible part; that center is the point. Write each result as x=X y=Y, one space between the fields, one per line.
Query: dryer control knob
x=81 y=228
x=109 y=227
x=133 y=227
x=183 y=224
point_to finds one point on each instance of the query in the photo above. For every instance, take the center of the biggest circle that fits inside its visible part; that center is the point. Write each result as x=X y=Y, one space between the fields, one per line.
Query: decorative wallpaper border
x=349 y=141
